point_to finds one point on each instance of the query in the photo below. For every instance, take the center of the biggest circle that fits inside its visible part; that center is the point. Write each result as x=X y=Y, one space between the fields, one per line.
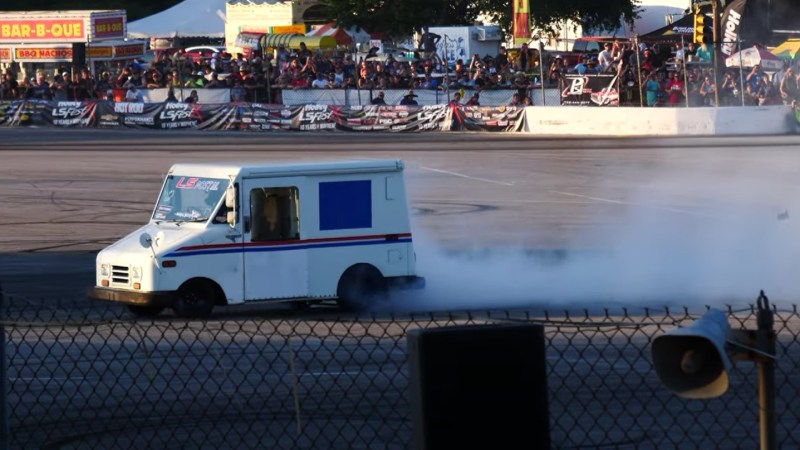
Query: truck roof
x=279 y=169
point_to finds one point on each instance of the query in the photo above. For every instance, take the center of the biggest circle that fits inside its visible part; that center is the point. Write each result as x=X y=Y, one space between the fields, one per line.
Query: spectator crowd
x=653 y=75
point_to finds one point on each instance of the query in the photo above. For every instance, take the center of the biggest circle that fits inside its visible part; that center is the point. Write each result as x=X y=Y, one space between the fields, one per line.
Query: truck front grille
x=120 y=275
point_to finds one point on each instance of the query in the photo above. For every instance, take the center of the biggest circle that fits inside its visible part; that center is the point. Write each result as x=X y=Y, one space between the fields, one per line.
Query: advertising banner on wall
x=590 y=90
x=488 y=118
x=164 y=116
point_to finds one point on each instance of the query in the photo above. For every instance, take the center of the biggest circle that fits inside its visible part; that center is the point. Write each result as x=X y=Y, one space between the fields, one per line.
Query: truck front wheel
x=361 y=286
x=194 y=300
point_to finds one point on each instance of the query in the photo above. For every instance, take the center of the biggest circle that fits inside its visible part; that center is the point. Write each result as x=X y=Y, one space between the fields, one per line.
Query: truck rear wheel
x=145 y=311
x=360 y=287
x=195 y=300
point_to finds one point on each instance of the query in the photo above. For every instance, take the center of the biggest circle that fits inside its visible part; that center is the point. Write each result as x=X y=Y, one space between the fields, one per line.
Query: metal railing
x=89 y=376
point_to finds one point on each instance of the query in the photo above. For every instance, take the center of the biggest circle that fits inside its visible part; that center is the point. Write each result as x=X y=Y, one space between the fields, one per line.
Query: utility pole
x=714 y=46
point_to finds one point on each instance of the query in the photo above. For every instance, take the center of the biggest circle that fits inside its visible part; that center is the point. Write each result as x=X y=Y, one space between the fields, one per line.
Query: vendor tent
x=682 y=28
x=341 y=35
x=755 y=56
x=187 y=18
x=788 y=50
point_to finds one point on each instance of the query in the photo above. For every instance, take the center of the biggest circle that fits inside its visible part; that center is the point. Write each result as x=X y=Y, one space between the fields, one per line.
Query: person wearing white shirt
x=604 y=58
x=320 y=82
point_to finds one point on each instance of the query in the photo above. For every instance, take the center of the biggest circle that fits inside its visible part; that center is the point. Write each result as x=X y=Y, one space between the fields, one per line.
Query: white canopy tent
x=187 y=18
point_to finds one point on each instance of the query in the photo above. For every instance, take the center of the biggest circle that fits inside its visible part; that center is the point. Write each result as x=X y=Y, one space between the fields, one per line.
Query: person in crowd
x=652 y=89
x=379 y=99
x=474 y=100
x=9 y=89
x=192 y=98
x=110 y=95
x=515 y=100
x=675 y=88
x=703 y=53
x=238 y=93
x=320 y=82
x=582 y=66
x=408 y=99
x=171 y=96
x=788 y=87
x=62 y=88
x=501 y=60
x=456 y=100
x=132 y=95
x=428 y=42
x=729 y=94
x=40 y=90
x=708 y=90
x=604 y=58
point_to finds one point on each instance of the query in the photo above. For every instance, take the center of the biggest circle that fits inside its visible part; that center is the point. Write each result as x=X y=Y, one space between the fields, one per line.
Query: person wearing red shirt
x=675 y=88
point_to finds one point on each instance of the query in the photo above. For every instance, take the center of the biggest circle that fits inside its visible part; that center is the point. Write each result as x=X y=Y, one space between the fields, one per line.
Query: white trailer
x=230 y=233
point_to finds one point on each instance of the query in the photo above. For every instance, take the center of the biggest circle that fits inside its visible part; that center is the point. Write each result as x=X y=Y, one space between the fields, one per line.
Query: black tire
x=145 y=311
x=195 y=300
x=360 y=287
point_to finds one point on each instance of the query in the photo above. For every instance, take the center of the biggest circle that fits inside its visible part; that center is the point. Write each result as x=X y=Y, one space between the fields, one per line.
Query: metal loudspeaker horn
x=692 y=361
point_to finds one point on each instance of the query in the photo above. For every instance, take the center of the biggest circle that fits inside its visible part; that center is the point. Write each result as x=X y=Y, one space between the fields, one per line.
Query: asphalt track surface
x=488 y=211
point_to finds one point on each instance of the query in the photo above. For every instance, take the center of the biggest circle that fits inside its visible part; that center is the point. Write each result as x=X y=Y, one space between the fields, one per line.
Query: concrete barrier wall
x=587 y=121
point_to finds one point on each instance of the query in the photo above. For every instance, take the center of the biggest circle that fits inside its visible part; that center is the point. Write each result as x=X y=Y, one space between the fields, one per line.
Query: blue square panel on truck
x=345 y=205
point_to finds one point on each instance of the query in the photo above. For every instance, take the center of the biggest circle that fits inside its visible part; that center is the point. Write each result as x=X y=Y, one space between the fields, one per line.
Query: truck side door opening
x=274 y=214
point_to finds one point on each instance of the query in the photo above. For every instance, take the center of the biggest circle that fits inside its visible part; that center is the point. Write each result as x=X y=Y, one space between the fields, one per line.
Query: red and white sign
x=108 y=27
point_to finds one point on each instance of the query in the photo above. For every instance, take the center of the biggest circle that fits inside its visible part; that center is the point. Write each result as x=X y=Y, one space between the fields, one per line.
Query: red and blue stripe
x=289 y=245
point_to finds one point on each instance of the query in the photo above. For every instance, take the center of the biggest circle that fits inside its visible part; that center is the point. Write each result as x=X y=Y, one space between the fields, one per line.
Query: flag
x=522 y=22
x=731 y=26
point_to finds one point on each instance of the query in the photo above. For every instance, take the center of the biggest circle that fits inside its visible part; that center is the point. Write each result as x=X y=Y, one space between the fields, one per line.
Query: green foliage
x=136 y=9
x=401 y=17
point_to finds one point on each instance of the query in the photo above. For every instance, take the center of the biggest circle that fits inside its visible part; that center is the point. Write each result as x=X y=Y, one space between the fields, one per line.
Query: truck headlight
x=104 y=270
x=136 y=273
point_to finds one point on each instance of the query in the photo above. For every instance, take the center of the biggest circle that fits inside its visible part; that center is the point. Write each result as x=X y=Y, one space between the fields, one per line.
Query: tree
x=401 y=17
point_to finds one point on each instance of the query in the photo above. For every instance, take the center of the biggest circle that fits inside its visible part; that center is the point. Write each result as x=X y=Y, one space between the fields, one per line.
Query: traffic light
x=703 y=28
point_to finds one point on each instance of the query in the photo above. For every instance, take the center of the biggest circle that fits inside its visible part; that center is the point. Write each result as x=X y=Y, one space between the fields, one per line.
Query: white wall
x=611 y=121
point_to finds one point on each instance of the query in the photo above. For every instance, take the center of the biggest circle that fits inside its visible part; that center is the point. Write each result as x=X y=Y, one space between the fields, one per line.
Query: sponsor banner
x=165 y=116
x=261 y=117
x=70 y=114
x=590 y=90
x=488 y=118
x=731 y=26
x=23 y=113
x=5 y=54
x=391 y=118
x=108 y=27
x=20 y=30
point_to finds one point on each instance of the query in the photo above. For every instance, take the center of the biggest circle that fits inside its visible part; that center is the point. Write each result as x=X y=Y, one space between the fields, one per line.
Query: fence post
x=5 y=431
x=765 y=338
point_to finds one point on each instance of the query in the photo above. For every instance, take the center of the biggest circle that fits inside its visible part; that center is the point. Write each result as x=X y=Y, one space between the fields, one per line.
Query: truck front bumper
x=164 y=298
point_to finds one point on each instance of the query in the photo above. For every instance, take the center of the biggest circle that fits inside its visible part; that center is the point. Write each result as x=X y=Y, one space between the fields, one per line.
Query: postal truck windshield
x=189 y=199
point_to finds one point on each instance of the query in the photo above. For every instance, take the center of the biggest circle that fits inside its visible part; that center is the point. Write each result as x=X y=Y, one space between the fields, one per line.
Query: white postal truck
x=228 y=234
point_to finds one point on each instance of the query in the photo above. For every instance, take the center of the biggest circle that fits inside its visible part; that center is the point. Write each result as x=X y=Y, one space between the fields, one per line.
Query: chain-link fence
x=83 y=376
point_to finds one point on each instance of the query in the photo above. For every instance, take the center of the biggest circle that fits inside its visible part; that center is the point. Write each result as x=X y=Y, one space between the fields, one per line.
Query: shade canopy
x=674 y=32
x=788 y=50
x=755 y=56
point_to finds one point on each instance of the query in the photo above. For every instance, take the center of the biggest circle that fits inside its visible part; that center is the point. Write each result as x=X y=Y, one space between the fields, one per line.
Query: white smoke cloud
x=708 y=236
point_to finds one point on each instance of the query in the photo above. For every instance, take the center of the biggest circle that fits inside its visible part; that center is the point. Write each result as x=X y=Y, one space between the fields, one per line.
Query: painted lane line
x=456 y=174
x=620 y=202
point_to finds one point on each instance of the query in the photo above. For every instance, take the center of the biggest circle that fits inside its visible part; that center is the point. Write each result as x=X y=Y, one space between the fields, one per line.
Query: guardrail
x=92 y=377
